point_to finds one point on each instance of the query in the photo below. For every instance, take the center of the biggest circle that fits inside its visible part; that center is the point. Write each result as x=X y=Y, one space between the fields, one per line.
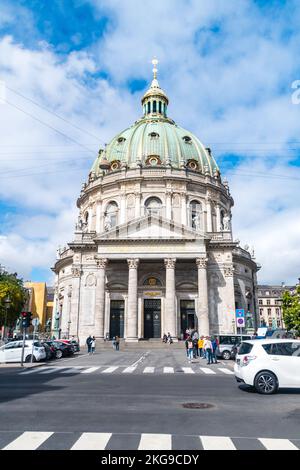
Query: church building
x=153 y=250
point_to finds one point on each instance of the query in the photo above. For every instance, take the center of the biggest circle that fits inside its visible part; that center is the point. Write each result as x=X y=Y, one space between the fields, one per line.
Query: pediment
x=151 y=228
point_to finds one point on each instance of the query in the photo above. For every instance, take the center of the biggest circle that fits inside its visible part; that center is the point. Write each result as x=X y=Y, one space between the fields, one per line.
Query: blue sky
x=228 y=69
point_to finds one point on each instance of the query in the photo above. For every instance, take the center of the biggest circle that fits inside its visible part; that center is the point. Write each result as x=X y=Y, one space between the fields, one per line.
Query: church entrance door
x=187 y=315
x=152 y=314
x=116 y=327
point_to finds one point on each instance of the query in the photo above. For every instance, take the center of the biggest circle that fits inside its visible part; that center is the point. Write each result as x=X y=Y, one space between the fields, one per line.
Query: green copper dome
x=156 y=140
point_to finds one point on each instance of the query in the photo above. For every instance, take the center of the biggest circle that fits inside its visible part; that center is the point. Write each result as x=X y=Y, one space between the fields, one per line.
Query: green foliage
x=291 y=310
x=11 y=286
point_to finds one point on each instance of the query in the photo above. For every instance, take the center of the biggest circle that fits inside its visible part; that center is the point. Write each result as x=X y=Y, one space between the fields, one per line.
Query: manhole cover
x=198 y=406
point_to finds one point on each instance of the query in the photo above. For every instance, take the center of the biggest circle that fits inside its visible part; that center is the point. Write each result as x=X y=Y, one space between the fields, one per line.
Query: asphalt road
x=130 y=404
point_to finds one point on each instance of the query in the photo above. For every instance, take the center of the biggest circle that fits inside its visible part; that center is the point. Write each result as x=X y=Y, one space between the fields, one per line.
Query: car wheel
x=58 y=354
x=28 y=358
x=266 y=383
x=226 y=355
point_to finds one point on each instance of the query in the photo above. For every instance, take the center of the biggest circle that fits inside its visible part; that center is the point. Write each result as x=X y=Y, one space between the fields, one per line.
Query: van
x=226 y=342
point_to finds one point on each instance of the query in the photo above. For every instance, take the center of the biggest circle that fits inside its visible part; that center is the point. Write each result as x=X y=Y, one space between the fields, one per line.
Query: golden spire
x=154 y=70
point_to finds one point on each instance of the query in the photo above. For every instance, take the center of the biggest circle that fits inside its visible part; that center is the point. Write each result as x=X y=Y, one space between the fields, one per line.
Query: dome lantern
x=155 y=100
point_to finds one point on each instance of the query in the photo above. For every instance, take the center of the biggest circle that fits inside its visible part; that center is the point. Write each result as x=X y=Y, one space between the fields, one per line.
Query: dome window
x=154 y=106
x=153 y=206
x=193 y=165
x=153 y=160
x=115 y=165
x=187 y=139
x=154 y=135
x=121 y=140
x=159 y=107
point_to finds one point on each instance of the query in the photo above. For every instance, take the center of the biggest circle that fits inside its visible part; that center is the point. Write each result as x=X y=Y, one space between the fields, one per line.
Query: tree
x=11 y=286
x=291 y=309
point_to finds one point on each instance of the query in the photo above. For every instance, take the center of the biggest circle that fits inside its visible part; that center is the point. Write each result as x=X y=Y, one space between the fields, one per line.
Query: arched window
x=153 y=206
x=159 y=107
x=222 y=214
x=111 y=216
x=195 y=215
x=149 y=110
x=154 y=106
x=86 y=217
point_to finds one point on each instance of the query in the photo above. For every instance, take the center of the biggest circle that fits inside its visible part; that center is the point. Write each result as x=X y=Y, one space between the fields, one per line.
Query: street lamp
x=7 y=303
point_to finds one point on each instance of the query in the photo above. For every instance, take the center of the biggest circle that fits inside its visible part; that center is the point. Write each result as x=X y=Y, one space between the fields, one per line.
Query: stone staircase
x=139 y=345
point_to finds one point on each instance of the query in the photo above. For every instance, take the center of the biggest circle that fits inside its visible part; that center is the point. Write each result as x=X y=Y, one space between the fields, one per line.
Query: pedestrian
x=169 y=339
x=187 y=347
x=200 y=346
x=93 y=345
x=117 y=343
x=114 y=342
x=165 y=338
x=88 y=343
x=208 y=349
x=203 y=348
x=190 y=349
x=214 y=345
x=195 y=348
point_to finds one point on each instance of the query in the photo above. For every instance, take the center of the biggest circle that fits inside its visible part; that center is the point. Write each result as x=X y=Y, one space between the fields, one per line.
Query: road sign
x=35 y=322
x=240 y=317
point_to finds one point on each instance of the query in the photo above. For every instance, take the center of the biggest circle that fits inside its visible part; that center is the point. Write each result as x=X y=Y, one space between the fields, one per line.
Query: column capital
x=133 y=263
x=101 y=262
x=76 y=271
x=201 y=263
x=228 y=271
x=170 y=263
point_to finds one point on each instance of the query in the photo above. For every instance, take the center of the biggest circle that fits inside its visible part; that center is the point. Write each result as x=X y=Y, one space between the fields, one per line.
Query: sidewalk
x=26 y=365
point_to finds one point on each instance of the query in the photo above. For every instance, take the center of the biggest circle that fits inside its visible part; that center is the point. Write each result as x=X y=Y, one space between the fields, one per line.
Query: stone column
x=123 y=209
x=170 y=308
x=100 y=298
x=203 y=317
x=132 y=319
x=218 y=211
x=183 y=209
x=168 y=214
x=75 y=302
x=137 y=205
x=209 y=218
x=98 y=216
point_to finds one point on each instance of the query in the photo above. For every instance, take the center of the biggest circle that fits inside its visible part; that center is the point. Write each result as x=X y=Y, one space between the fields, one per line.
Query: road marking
x=148 y=370
x=92 y=441
x=278 y=444
x=129 y=370
x=217 y=443
x=155 y=442
x=168 y=370
x=28 y=441
x=226 y=371
x=140 y=359
x=33 y=369
x=206 y=370
x=51 y=369
x=90 y=370
x=188 y=370
x=109 y=370
x=71 y=370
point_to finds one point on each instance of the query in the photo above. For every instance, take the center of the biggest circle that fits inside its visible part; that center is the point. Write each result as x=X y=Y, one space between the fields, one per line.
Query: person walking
x=93 y=345
x=195 y=349
x=89 y=343
x=214 y=345
x=203 y=348
x=187 y=347
x=190 y=349
x=117 y=343
x=200 y=346
x=208 y=349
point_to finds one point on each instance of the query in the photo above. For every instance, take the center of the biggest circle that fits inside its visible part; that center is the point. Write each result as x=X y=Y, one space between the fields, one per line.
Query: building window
x=268 y=302
x=159 y=107
x=153 y=206
x=111 y=216
x=149 y=109
x=261 y=311
x=195 y=211
x=278 y=323
x=277 y=311
x=153 y=135
x=260 y=302
x=154 y=106
x=269 y=311
x=187 y=139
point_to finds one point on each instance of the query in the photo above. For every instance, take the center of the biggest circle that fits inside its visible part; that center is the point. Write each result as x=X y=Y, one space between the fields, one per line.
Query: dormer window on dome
x=187 y=139
x=154 y=135
x=121 y=140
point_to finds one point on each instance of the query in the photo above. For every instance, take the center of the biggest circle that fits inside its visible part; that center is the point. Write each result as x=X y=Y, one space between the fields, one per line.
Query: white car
x=269 y=364
x=12 y=352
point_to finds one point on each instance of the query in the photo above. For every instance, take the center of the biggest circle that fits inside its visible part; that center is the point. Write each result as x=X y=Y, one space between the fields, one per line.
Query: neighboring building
x=40 y=301
x=270 y=304
x=153 y=250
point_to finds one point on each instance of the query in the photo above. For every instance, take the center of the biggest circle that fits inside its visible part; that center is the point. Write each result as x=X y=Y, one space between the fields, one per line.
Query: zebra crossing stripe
x=168 y=370
x=92 y=441
x=278 y=444
x=148 y=370
x=51 y=370
x=206 y=370
x=217 y=443
x=226 y=371
x=89 y=370
x=109 y=370
x=188 y=370
x=72 y=370
x=32 y=370
x=155 y=442
x=129 y=370
x=28 y=441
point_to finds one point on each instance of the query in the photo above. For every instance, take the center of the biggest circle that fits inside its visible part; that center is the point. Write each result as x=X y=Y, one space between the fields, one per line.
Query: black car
x=234 y=351
x=50 y=350
x=61 y=349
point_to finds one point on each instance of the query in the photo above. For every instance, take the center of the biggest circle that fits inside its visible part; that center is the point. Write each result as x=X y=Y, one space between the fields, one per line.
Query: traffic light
x=26 y=319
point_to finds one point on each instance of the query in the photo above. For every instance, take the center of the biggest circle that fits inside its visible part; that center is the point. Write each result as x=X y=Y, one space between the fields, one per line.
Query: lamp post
x=69 y=326
x=7 y=303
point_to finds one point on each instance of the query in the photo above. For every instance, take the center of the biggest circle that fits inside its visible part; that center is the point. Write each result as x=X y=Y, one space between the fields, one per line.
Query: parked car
x=226 y=342
x=73 y=343
x=12 y=351
x=61 y=349
x=50 y=350
x=234 y=351
x=269 y=364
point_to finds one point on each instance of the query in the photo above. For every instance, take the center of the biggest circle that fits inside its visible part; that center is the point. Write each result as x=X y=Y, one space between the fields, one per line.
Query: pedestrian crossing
x=31 y=440
x=120 y=369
